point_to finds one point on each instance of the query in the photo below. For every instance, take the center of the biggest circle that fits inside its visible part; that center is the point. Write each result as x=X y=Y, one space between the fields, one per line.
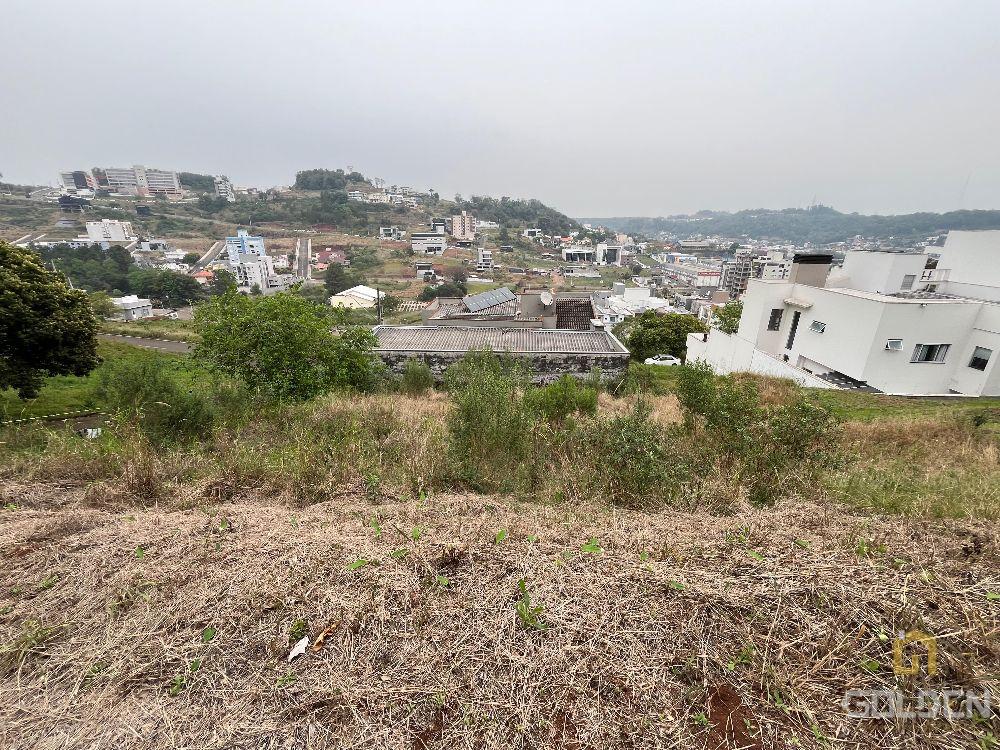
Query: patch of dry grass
x=668 y=629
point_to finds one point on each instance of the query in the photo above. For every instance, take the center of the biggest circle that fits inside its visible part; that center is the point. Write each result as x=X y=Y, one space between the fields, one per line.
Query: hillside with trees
x=819 y=224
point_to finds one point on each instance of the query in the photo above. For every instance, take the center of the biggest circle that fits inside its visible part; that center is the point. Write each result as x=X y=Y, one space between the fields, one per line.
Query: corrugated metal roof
x=477 y=302
x=514 y=340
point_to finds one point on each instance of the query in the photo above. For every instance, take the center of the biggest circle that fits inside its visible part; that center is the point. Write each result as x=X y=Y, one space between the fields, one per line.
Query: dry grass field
x=150 y=597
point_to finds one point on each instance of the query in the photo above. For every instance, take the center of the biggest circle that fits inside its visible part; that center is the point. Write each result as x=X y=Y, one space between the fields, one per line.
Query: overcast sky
x=598 y=108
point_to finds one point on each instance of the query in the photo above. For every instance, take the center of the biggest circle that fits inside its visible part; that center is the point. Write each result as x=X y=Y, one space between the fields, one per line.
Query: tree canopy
x=46 y=328
x=170 y=288
x=194 y=181
x=651 y=333
x=282 y=346
x=727 y=317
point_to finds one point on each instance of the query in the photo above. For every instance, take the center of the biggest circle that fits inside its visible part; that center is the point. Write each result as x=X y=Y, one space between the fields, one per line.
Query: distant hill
x=819 y=225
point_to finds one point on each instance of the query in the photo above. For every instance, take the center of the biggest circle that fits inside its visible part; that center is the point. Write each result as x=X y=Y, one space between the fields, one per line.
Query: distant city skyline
x=635 y=109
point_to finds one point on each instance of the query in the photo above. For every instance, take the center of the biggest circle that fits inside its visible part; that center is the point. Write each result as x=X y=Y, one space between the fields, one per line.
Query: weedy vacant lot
x=496 y=568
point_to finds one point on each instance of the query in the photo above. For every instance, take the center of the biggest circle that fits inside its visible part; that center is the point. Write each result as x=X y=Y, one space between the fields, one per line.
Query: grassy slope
x=160 y=588
x=65 y=393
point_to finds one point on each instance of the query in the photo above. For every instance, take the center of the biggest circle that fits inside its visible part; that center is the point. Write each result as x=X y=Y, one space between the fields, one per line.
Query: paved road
x=209 y=257
x=303 y=251
x=163 y=345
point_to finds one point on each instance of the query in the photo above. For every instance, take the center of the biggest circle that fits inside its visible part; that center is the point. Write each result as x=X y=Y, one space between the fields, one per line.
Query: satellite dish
x=546 y=298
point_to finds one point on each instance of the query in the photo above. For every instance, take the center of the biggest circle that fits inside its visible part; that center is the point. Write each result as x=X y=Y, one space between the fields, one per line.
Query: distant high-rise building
x=78 y=180
x=136 y=180
x=224 y=188
x=463 y=226
x=249 y=260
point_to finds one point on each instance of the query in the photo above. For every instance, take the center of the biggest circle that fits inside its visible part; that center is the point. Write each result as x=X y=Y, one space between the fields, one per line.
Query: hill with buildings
x=817 y=225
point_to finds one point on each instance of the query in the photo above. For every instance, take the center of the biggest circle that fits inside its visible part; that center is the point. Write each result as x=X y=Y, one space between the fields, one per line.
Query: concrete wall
x=728 y=354
x=544 y=368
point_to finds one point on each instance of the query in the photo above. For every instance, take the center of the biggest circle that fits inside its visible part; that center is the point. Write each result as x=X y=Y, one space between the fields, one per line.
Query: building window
x=908 y=281
x=980 y=356
x=894 y=345
x=774 y=322
x=818 y=326
x=930 y=352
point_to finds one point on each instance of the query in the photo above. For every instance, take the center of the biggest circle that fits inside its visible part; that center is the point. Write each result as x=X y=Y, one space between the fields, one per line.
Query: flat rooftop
x=514 y=340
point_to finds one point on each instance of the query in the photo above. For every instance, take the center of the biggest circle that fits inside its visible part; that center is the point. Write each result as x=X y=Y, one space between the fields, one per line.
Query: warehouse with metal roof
x=547 y=353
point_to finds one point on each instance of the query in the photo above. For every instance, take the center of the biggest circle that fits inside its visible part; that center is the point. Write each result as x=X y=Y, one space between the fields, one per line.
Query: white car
x=663 y=359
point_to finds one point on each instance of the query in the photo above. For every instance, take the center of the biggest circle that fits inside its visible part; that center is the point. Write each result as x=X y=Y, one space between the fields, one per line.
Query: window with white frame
x=894 y=345
x=930 y=352
x=818 y=326
x=980 y=357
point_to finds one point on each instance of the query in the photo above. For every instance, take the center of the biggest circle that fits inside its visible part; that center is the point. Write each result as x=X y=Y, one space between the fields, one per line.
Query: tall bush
x=141 y=388
x=489 y=428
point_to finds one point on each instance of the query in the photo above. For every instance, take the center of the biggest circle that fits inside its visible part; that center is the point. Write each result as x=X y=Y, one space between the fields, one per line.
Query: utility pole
x=378 y=305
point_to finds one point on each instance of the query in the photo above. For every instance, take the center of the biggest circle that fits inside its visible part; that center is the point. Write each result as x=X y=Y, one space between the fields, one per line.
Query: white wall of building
x=883 y=273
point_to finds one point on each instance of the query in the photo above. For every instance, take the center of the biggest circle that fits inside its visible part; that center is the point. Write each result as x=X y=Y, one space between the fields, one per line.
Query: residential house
x=131 y=307
x=356 y=297
x=428 y=243
x=885 y=321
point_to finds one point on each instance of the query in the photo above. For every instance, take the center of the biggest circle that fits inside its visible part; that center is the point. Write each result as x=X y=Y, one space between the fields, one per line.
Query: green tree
x=447 y=289
x=191 y=258
x=281 y=346
x=193 y=181
x=101 y=304
x=651 y=333
x=169 y=288
x=46 y=328
x=390 y=303
x=338 y=278
x=222 y=281
x=727 y=317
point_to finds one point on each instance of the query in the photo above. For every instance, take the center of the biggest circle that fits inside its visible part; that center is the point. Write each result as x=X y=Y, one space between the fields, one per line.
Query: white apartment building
x=137 y=180
x=249 y=261
x=111 y=230
x=884 y=321
x=428 y=243
x=463 y=226
x=224 y=188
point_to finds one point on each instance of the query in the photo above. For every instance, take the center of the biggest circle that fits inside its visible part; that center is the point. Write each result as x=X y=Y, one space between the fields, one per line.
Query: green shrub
x=489 y=429
x=637 y=463
x=557 y=401
x=417 y=378
x=641 y=379
x=770 y=450
x=141 y=387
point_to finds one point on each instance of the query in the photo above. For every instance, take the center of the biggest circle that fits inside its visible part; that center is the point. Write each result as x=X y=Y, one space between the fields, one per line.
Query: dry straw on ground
x=169 y=626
